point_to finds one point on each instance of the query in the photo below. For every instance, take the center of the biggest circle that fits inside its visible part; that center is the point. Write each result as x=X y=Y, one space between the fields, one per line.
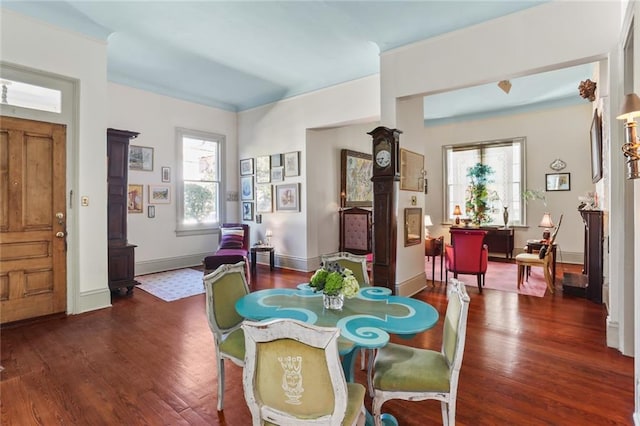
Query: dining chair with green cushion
x=358 y=265
x=355 y=262
x=223 y=287
x=414 y=374
x=293 y=375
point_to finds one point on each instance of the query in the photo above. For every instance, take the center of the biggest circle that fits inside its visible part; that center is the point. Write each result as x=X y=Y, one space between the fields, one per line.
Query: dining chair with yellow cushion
x=355 y=262
x=358 y=265
x=544 y=259
x=223 y=287
x=293 y=375
x=414 y=374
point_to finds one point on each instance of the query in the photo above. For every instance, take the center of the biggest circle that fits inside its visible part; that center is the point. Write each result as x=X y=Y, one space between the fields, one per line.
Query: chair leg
x=220 y=383
x=520 y=275
x=479 y=282
x=376 y=408
x=548 y=279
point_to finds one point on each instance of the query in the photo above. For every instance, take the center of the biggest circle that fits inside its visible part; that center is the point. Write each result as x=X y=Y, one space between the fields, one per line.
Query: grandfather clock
x=386 y=172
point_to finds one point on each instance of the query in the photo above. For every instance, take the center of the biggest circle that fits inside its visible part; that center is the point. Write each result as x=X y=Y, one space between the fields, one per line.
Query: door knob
x=60 y=234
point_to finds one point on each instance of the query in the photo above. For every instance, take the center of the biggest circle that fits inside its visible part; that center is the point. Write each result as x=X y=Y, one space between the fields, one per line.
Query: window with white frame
x=199 y=185
x=506 y=159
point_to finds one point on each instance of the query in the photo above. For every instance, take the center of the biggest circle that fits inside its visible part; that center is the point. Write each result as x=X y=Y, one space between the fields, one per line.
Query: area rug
x=172 y=285
x=502 y=276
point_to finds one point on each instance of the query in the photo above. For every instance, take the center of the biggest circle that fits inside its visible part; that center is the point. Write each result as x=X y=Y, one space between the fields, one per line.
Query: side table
x=536 y=245
x=434 y=247
x=254 y=255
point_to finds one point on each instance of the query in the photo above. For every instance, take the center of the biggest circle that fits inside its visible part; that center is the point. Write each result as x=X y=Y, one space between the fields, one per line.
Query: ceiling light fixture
x=631 y=148
x=505 y=85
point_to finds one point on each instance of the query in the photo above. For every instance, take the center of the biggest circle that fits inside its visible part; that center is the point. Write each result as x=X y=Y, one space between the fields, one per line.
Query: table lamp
x=546 y=223
x=457 y=212
x=268 y=234
x=427 y=224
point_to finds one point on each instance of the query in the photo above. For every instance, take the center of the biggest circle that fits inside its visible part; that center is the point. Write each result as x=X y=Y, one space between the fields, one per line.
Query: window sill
x=193 y=232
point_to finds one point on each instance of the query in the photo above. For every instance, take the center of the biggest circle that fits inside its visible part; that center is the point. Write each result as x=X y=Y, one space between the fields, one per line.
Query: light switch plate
x=84 y=201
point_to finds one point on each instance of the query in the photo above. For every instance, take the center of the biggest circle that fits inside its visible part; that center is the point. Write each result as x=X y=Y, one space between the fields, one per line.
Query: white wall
x=156 y=118
x=282 y=127
x=560 y=132
x=33 y=44
x=323 y=181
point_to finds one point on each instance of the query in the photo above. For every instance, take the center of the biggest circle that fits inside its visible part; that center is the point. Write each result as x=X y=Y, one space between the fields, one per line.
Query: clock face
x=383 y=158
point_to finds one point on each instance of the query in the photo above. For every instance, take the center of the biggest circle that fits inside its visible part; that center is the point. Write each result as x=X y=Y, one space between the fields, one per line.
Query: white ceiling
x=238 y=55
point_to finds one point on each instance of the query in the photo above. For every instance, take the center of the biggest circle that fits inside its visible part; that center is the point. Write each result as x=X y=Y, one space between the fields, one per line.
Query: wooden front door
x=33 y=275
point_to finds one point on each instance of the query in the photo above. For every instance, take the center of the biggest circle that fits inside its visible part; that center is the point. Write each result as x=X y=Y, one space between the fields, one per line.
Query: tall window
x=199 y=183
x=506 y=158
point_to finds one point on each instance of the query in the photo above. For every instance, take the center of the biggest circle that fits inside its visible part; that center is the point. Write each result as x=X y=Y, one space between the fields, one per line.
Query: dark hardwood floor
x=528 y=361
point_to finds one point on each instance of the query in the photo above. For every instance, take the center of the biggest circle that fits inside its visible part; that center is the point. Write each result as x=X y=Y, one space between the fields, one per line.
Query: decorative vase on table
x=335 y=302
x=505 y=216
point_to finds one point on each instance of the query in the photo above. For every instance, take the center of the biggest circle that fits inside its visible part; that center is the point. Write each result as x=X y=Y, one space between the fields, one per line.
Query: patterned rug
x=500 y=276
x=172 y=285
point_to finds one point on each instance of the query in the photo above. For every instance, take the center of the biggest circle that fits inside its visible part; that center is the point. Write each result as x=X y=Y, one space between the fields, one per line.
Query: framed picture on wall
x=246 y=188
x=264 y=202
x=263 y=169
x=159 y=194
x=135 y=198
x=140 y=158
x=247 y=211
x=288 y=197
x=356 y=188
x=558 y=181
x=292 y=163
x=412 y=226
x=411 y=171
x=246 y=167
x=596 y=148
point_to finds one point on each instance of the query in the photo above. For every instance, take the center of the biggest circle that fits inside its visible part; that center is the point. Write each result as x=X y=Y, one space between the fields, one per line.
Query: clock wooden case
x=386 y=172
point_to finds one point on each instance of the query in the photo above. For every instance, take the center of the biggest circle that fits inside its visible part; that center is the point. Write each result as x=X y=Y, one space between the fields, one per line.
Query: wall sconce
x=457 y=212
x=546 y=223
x=631 y=149
x=268 y=234
x=427 y=224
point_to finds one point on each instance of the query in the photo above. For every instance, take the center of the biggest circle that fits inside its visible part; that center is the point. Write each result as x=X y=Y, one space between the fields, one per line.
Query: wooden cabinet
x=499 y=240
x=593 y=236
x=121 y=254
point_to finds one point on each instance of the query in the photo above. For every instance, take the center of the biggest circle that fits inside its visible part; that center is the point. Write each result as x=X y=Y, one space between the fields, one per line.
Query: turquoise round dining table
x=365 y=321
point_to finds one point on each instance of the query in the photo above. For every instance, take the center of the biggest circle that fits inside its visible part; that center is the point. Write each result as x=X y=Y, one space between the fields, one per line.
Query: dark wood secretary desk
x=121 y=256
x=498 y=239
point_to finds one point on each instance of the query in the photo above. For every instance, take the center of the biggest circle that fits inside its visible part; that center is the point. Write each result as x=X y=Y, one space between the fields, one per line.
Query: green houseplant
x=478 y=203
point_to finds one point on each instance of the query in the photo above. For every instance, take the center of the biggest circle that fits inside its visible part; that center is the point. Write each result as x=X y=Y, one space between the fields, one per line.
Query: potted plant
x=477 y=203
x=336 y=283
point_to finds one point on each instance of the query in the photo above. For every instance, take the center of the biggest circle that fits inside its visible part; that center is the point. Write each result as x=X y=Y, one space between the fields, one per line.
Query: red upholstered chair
x=467 y=254
x=233 y=247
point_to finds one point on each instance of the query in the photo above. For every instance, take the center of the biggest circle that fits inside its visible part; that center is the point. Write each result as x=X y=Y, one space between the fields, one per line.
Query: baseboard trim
x=412 y=286
x=169 y=263
x=289 y=262
x=93 y=300
x=613 y=333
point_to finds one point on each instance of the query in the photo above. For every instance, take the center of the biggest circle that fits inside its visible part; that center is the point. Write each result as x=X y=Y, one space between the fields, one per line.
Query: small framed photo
x=246 y=188
x=166 y=174
x=292 y=163
x=412 y=226
x=276 y=160
x=246 y=167
x=140 y=158
x=288 y=197
x=247 y=211
x=263 y=169
x=264 y=198
x=159 y=194
x=558 y=181
x=277 y=174
x=151 y=212
x=135 y=198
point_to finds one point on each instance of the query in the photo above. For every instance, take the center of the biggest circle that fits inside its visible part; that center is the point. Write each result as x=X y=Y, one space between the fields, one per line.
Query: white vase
x=333 y=302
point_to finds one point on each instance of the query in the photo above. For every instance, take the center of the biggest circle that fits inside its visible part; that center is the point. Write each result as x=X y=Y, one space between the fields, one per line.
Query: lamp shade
x=427 y=220
x=630 y=107
x=546 y=221
x=268 y=233
x=456 y=210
